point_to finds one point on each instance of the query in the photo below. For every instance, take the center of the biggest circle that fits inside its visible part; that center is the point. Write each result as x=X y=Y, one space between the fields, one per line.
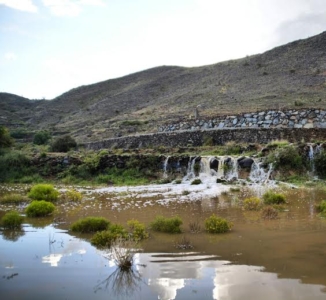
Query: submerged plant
x=137 y=230
x=73 y=195
x=270 y=213
x=273 y=198
x=321 y=208
x=183 y=243
x=196 y=181
x=168 y=225
x=252 y=203
x=123 y=252
x=194 y=226
x=13 y=199
x=39 y=209
x=90 y=224
x=12 y=220
x=215 y=224
x=43 y=192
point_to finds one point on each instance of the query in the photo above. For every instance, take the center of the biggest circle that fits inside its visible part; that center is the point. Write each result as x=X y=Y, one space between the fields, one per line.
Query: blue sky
x=48 y=47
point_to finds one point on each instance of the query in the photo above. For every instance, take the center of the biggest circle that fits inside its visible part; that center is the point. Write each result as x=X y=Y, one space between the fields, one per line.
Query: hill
x=289 y=76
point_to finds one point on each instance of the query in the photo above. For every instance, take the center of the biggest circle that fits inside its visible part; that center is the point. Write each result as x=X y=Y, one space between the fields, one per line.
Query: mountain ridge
x=288 y=76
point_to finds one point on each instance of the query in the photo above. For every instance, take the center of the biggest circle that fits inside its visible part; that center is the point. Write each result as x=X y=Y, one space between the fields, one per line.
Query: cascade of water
x=233 y=172
x=311 y=155
x=165 y=166
x=220 y=170
x=258 y=173
x=191 y=168
x=205 y=166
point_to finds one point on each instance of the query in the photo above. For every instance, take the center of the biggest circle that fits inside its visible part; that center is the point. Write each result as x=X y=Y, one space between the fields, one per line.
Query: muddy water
x=275 y=259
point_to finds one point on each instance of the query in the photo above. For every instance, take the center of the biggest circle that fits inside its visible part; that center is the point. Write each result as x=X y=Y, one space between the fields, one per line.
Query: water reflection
x=121 y=283
x=12 y=235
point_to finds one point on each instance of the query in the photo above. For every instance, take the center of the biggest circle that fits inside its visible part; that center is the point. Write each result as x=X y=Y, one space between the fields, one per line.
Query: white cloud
x=68 y=7
x=10 y=56
x=24 y=5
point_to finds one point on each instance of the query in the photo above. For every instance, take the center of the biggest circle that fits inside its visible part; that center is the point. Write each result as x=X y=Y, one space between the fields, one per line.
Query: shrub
x=269 y=212
x=215 y=224
x=43 y=192
x=273 y=198
x=41 y=137
x=320 y=163
x=107 y=237
x=168 y=225
x=64 y=144
x=73 y=195
x=321 y=207
x=39 y=208
x=138 y=230
x=12 y=220
x=90 y=224
x=196 y=181
x=286 y=158
x=13 y=199
x=194 y=226
x=252 y=203
x=5 y=139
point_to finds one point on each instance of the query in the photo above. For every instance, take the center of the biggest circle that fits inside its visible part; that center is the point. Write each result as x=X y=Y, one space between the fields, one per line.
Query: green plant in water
x=321 y=208
x=168 y=225
x=196 y=181
x=273 y=198
x=137 y=230
x=12 y=220
x=252 y=203
x=215 y=224
x=44 y=192
x=90 y=224
x=39 y=208
x=105 y=238
x=13 y=199
x=73 y=195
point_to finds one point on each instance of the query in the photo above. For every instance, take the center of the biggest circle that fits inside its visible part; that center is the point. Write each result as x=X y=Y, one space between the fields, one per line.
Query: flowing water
x=271 y=259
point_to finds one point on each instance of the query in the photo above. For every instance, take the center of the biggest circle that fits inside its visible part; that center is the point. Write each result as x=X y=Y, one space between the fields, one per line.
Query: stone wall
x=195 y=138
x=305 y=118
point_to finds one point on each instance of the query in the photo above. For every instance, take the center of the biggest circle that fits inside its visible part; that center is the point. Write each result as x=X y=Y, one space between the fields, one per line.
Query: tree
x=5 y=139
x=64 y=144
x=41 y=137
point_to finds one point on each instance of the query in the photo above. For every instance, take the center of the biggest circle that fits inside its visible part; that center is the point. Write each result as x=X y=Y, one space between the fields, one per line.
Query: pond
x=271 y=259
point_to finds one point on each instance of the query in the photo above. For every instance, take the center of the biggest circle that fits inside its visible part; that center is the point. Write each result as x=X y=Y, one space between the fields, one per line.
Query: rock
x=246 y=163
x=220 y=180
x=213 y=164
x=308 y=125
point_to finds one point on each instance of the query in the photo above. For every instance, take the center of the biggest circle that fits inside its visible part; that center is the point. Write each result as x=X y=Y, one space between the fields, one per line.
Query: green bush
x=273 y=198
x=73 y=195
x=215 y=224
x=39 y=209
x=137 y=230
x=196 y=181
x=12 y=220
x=252 y=203
x=321 y=207
x=320 y=163
x=63 y=144
x=43 y=192
x=168 y=225
x=5 y=139
x=90 y=224
x=286 y=158
x=41 y=137
x=13 y=199
x=105 y=238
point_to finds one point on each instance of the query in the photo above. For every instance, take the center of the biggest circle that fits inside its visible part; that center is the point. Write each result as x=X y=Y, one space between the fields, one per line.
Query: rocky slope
x=289 y=76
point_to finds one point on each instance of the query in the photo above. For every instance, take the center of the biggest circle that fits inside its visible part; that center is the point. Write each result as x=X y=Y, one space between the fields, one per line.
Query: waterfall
x=220 y=170
x=233 y=171
x=191 y=169
x=205 y=166
x=258 y=173
x=165 y=166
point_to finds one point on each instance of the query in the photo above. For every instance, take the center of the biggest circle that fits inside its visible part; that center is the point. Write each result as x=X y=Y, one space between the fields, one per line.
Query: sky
x=48 y=47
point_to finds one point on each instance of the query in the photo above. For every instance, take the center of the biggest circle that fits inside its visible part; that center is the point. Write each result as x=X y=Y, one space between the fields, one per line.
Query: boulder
x=246 y=163
x=213 y=164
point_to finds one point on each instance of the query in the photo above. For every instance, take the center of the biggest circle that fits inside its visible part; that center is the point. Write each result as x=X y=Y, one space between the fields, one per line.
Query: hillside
x=289 y=76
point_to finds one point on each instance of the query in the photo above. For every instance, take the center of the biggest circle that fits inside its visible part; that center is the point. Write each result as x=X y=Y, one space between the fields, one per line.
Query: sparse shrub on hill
x=320 y=163
x=63 y=144
x=286 y=158
x=5 y=139
x=41 y=137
